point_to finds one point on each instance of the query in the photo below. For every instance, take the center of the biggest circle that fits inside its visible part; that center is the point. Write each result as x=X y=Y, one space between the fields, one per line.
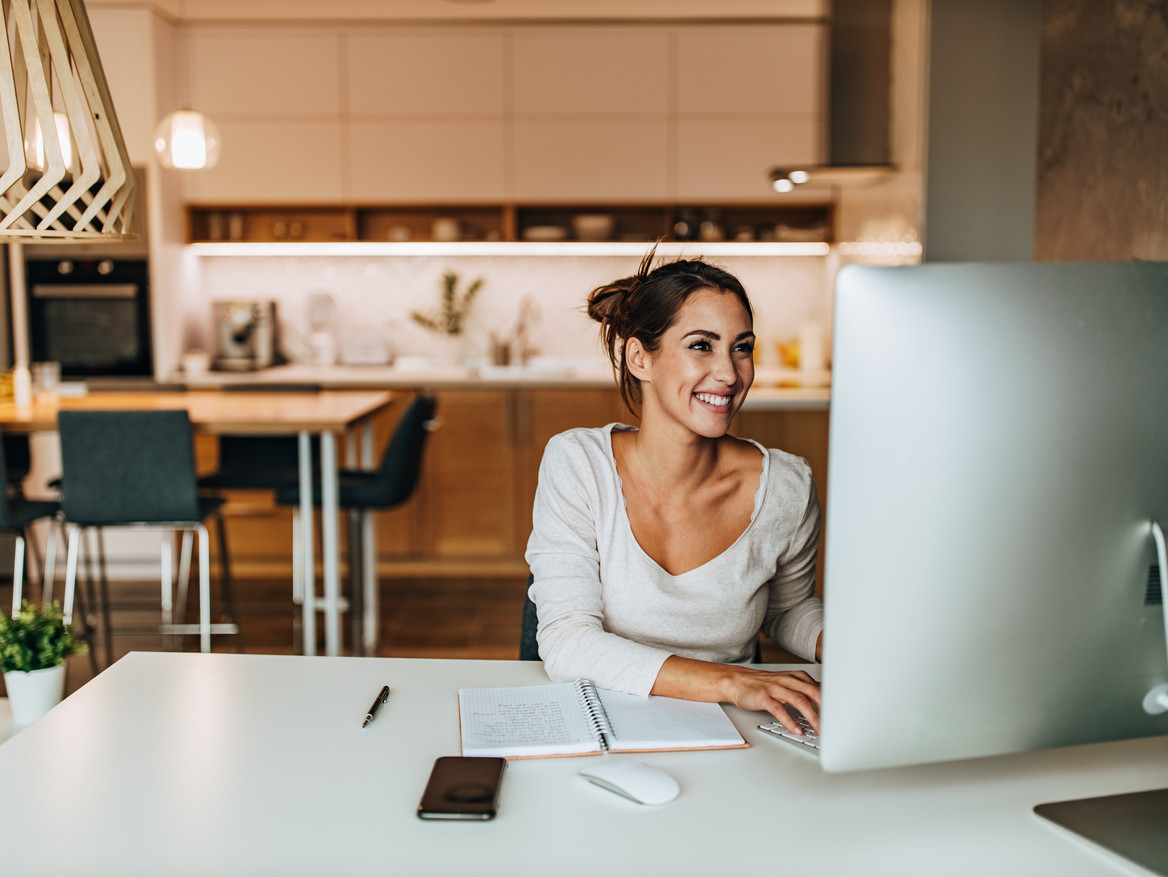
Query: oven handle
x=85 y=290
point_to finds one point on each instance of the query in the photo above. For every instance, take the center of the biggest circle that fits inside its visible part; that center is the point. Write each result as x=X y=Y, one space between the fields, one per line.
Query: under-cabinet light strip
x=508 y=248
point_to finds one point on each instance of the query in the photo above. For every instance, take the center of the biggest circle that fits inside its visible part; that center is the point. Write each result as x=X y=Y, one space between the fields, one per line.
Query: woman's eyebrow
x=714 y=336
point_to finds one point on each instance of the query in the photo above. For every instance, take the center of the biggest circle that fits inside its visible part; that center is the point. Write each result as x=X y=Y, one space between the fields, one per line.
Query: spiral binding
x=597 y=716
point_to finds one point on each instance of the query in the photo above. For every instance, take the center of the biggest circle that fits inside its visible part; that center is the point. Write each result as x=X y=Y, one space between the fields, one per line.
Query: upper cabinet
x=574 y=113
x=426 y=115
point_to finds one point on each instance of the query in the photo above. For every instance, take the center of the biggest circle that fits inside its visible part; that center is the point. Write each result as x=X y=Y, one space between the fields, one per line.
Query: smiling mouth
x=711 y=399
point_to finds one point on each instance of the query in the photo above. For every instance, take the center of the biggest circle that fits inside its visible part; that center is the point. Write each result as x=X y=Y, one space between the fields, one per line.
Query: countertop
x=776 y=389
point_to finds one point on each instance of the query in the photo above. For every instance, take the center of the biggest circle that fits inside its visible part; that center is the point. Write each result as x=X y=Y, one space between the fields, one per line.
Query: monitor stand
x=1131 y=825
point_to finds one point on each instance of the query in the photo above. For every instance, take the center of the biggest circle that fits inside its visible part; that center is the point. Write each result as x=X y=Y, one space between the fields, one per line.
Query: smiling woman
x=658 y=554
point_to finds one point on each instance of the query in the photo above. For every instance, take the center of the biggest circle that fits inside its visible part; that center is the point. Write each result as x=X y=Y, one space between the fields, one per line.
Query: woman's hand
x=745 y=687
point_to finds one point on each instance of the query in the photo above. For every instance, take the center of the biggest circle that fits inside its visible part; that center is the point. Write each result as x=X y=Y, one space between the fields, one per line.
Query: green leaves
x=36 y=639
x=453 y=308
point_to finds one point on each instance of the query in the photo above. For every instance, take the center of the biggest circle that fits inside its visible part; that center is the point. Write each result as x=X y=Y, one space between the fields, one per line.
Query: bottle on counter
x=21 y=386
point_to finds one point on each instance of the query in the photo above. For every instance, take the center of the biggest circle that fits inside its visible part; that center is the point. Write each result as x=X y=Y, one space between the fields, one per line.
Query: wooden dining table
x=267 y=412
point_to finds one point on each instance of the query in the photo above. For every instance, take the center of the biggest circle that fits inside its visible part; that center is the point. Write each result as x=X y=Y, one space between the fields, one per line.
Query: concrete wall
x=1102 y=189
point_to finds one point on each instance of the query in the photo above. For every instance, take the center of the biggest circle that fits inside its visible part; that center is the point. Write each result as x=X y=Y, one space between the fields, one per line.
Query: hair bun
x=606 y=303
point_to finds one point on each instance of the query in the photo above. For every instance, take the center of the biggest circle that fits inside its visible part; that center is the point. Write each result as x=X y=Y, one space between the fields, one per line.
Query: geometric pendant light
x=68 y=175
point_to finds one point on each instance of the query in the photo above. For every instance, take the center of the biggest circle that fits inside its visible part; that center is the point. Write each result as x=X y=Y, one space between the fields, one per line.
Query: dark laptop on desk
x=999 y=458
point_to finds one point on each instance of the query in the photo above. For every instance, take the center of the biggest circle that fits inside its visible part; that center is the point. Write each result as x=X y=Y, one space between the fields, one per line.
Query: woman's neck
x=669 y=458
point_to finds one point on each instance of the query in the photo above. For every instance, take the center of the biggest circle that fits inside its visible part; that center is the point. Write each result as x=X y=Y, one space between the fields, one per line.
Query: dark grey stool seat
x=137 y=469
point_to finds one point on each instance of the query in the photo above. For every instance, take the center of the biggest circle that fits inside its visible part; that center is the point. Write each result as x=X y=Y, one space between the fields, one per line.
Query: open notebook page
x=526 y=720
x=666 y=723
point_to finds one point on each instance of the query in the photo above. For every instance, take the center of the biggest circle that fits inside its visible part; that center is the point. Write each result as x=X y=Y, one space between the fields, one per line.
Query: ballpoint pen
x=382 y=697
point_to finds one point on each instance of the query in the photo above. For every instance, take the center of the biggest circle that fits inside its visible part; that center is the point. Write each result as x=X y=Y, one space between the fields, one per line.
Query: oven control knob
x=105 y=266
x=64 y=267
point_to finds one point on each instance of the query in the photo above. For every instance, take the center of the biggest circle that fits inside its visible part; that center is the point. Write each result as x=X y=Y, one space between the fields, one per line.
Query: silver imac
x=998 y=462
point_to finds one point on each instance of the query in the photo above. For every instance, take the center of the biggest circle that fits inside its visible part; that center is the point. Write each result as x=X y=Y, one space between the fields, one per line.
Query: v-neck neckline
x=759 y=497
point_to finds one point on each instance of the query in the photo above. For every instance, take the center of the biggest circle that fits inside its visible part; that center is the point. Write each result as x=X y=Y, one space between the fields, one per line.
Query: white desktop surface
x=247 y=764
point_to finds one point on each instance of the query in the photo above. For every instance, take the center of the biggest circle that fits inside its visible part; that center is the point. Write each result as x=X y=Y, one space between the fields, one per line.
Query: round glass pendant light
x=187 y=140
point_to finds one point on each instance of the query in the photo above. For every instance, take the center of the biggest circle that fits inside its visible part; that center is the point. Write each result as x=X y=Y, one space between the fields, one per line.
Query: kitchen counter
x=774 y=389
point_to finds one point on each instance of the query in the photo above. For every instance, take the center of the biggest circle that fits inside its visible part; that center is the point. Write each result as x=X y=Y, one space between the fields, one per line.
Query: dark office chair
x=18 y=457
x=137 y=469
x=361 y=491
x=258 y=462
x=17 y=515
x=528 y=644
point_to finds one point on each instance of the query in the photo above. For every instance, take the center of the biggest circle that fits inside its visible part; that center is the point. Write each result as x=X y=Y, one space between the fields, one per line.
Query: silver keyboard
x=808 y=738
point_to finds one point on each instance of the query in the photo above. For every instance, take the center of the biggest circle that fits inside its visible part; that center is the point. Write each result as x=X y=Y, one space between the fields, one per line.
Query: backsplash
x=375 y=294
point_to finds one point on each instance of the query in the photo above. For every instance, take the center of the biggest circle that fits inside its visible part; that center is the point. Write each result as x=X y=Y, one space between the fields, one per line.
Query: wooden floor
x=420 y=618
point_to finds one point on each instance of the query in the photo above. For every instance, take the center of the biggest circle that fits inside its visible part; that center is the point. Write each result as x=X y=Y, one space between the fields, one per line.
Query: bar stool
x=137 y=469
x=362 y=491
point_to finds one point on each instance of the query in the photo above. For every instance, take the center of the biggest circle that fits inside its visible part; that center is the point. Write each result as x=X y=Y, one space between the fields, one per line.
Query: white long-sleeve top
x=609 y=612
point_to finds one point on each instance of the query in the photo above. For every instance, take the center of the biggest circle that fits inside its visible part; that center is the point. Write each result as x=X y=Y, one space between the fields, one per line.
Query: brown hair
x=646 y=304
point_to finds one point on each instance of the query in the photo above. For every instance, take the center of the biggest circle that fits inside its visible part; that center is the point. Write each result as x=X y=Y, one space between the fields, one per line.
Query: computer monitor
x=997 y=456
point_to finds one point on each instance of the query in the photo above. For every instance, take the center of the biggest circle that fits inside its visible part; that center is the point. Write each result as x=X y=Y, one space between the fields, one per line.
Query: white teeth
x=713 y=400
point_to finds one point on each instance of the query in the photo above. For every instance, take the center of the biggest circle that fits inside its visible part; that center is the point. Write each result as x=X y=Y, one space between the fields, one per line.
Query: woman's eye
x=745 y=347
x=700 y=345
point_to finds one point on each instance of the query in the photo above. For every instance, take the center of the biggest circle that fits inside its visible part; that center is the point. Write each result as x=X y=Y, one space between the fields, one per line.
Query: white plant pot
x=32 y=693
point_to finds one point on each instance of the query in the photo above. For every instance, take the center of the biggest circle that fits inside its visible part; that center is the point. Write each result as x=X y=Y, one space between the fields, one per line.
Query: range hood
x=858 y=100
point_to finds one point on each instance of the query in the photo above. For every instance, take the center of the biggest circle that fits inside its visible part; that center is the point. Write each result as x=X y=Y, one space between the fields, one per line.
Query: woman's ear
x=638 y=359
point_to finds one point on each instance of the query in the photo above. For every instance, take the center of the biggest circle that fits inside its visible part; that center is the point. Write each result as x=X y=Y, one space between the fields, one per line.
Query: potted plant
x=33 y=647
x=448 y=320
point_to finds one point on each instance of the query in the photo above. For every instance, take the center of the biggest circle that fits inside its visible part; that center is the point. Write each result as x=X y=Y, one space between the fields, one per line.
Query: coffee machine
x=245 y=334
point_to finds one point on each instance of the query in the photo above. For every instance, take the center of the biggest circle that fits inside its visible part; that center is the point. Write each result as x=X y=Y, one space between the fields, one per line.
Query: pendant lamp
x=68 y=175
x=187 y=140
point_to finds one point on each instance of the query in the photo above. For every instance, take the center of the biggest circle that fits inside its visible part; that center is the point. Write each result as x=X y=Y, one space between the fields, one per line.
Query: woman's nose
x=724 y=369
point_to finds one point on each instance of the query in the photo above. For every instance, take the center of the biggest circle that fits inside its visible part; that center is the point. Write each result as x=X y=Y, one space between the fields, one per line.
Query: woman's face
x=700 y=374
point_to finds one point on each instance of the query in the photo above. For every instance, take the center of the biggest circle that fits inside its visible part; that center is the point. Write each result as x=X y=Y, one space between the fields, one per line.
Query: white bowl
x=545 y=233
x=593 y=226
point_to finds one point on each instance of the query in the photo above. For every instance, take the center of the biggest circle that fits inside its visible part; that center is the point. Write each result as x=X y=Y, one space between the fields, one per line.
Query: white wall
x=378 y=293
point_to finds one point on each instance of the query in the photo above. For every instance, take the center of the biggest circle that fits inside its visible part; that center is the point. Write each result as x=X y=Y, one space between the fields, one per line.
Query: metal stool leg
x=18 y=574
x=356 y=582
x=204 y=590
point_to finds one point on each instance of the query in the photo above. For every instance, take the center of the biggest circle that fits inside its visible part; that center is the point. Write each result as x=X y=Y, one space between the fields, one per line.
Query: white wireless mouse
x=634 y=780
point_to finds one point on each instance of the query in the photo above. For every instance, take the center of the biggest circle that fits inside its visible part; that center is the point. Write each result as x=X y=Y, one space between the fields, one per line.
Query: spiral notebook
x=577 y=718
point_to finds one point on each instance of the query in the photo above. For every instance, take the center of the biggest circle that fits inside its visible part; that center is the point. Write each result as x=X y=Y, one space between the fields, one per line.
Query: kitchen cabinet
x=471 y=514
x=432 y=159
x=335 y=113
x=273 y=94
x=472 y=508
x=483 y=464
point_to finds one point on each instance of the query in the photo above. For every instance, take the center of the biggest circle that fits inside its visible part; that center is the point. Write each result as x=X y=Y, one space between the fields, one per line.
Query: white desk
x=253 y=765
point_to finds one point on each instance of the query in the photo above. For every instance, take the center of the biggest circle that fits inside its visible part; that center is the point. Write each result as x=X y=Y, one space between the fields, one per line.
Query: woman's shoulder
x=580 y=444
x=586 y=439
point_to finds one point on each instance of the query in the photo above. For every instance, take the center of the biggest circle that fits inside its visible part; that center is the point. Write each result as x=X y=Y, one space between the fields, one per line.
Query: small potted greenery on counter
x=33 y=647
x=449 y=320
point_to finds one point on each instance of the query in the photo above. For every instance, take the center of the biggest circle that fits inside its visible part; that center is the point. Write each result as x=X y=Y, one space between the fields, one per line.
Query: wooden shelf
x=424 y=223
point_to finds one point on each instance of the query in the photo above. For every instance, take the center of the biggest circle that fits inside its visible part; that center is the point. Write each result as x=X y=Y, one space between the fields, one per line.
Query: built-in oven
x=90 y=314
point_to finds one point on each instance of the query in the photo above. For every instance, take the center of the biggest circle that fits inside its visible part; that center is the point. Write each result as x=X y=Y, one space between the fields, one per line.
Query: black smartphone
x=462 y=787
